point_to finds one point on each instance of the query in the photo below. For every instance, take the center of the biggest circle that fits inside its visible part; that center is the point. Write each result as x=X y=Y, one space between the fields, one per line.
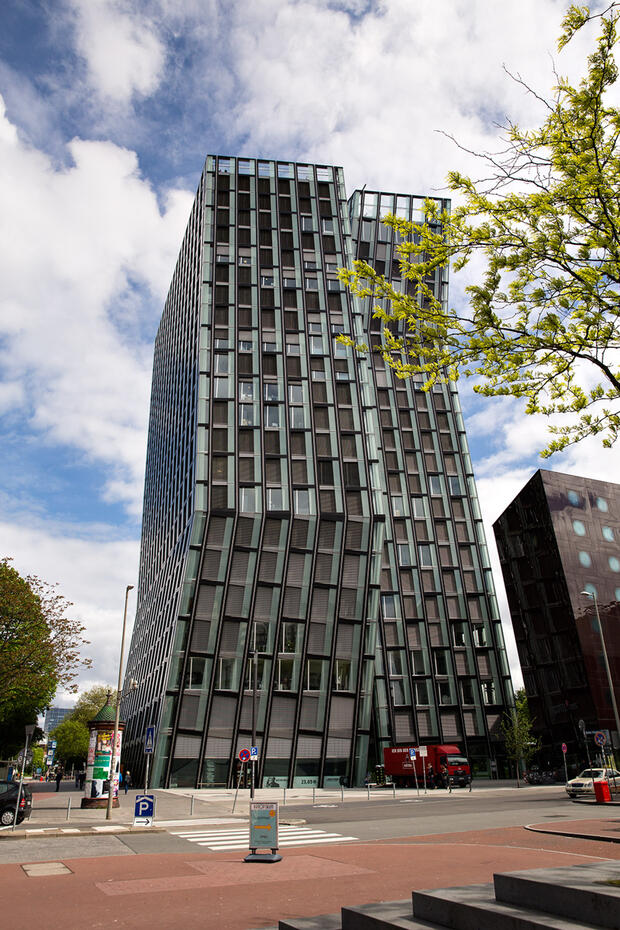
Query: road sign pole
x=564 y=751
x=146 y=774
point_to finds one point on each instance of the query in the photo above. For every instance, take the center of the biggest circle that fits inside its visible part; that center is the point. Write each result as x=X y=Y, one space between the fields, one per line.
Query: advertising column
x=101 y=769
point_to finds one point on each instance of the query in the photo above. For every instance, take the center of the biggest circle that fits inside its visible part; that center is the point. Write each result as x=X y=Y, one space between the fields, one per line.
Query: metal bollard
x=368 y=790
x=314 y=796
x=191 y=806
x=68 y=807
x=393 y=790
x=283 y=797
x=342 y=793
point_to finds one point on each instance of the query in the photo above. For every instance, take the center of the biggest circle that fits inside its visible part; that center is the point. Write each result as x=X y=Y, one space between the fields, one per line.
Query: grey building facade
x=558 y=538
x=314 y=577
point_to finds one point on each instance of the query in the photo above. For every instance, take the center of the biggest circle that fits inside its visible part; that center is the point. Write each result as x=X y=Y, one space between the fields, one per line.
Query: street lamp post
x=117 y=713
x=606 y=661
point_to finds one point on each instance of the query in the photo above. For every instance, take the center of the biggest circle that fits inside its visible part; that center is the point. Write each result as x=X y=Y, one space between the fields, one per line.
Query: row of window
x=580 y=529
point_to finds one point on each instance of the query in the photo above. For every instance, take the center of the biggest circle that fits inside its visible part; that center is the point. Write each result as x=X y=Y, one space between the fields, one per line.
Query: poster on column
x=98 y=764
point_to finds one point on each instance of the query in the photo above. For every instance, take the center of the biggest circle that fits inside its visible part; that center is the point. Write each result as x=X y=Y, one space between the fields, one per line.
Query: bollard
x=368 y=790
x=283 y=797
x=191 y=807
x=314 y=796
x=342 y=793
x=68 y=807
x=394 y=790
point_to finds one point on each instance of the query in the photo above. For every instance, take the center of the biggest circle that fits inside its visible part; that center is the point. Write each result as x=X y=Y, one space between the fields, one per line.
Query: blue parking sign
x=144 y=810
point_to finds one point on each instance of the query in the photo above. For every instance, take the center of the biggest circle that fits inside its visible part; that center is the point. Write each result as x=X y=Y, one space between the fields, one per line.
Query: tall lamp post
x=117 y=714
x=606 y=661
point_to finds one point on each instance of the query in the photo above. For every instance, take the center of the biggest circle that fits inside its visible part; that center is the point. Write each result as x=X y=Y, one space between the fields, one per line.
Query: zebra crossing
x=223 y=840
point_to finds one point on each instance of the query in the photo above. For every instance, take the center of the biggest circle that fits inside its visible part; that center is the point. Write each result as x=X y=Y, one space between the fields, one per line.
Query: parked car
x=583 y=784
x=8 y=800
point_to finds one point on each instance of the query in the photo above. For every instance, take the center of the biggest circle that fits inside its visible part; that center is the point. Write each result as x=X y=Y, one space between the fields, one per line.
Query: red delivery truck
x=445 y=762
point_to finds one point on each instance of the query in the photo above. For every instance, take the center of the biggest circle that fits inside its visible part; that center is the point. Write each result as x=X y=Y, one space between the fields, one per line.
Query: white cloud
x=122 y=51
x=81 y=242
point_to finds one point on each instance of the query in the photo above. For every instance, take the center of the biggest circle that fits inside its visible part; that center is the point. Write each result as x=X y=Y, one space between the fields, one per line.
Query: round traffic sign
x=564 y=748
x=599 y=738
x=244 y=755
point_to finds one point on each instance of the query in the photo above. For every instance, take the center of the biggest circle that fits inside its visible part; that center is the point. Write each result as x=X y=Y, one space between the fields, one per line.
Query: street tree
x=517 y=730
x=542 y=319
x=39 y=651
x=90 y=703
x=71 y=742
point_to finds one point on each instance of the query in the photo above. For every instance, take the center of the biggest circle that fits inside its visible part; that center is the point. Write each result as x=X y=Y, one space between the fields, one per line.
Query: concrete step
x=383 y=915
x=474 y=907
x=321 y=922
x=577 y=892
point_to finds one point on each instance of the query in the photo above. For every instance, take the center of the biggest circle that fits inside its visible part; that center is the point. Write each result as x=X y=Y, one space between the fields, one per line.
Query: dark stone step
x=577 y=892
x=474 y=908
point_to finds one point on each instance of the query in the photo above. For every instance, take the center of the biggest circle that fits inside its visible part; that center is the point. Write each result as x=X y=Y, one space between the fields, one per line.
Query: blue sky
x=107 y=110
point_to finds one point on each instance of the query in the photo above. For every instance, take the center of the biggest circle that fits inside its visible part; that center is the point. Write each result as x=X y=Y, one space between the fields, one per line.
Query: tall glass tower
x=314 y=578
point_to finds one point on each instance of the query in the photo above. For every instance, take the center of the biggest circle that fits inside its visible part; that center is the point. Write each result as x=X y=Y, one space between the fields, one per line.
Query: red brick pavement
x=221 y=892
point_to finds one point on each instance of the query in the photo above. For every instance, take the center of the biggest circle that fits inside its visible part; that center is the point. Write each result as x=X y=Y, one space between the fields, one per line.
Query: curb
x=600 y=837
x=37 y=834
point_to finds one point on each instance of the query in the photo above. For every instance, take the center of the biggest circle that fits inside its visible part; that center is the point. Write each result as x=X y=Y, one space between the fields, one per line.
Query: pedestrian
x=59 y=774
x=127 y=781
x=430 y=777
x=443 y=776
x=82 y=778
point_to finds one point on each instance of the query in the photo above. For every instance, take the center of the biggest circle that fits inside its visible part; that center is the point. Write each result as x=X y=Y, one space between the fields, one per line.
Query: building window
x=327 y=226
x=418 y=507
x=601 y=503
x=389 y=606
x=458 y=634
x=246 y=415
x=488 y=692
x=297 y=417
x=455 y=486
x=302 y=501
x=590 y=588
x=227 y=677
x=395 y=665
x=404 y=555
x=312 y=284
x=295 y=394
x=418 y=662
x=195 y=672
x=398 y=508
x=608 y=534
x=245 y=345
x=284 y=675
x=220 y=364
x=266 y=281
x=275 y=499
x=579 y=528
x=247 y=500
x=445 y=692
x=307 y=224
x=426 y=556
x=246 y=391
x=289 y=637
x=441 y=662
x=575 y=499
x=467 y=691
x=342 y=675
x=221 y=388
x=422 y=692
x=434 y=484
x=272 y=392
x=316 y=345
x=314 y=674
x=272 y=417
x=398 y=692
x=584 y=559
x=614 y=564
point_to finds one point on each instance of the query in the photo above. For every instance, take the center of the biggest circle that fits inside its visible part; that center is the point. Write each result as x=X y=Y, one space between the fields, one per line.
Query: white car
x=583 y=784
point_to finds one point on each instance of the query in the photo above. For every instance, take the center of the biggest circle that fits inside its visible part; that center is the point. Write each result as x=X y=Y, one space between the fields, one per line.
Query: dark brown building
x=560 y=538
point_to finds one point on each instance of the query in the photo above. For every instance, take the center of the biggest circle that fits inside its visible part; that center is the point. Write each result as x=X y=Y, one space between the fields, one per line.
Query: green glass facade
x=313 y=565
